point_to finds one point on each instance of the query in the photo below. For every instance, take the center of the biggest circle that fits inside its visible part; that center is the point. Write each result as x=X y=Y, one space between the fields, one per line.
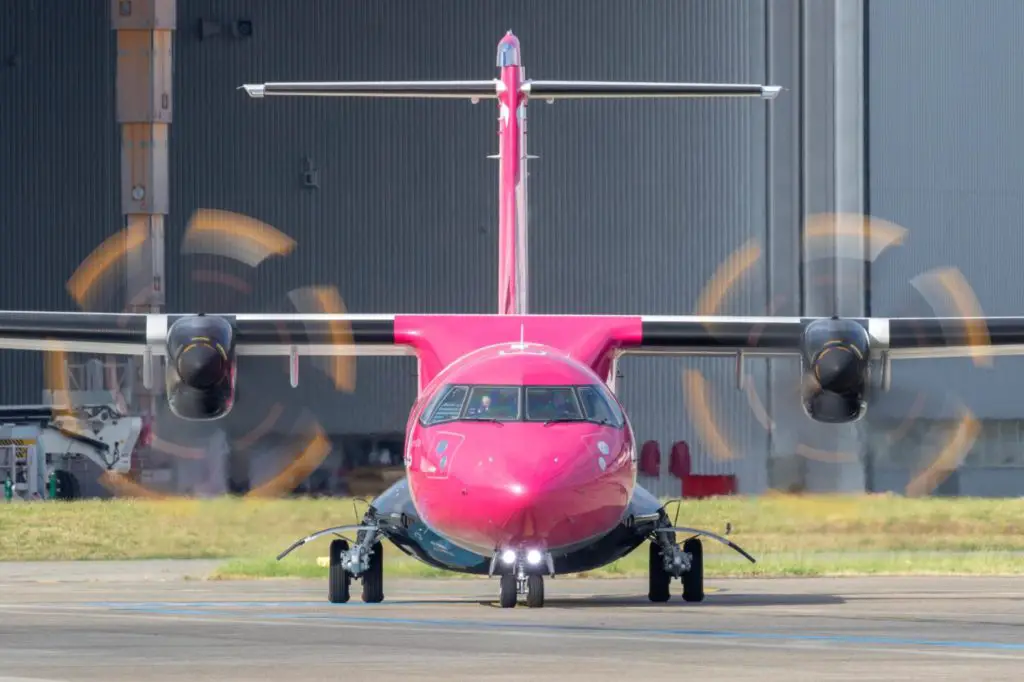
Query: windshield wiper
x=561 y=420
x=493 y=420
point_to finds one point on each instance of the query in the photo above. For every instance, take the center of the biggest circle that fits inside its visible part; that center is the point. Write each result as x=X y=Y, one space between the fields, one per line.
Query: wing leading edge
x=139 y=334
x=942 y=337
x=491 y=89
x=333 y=335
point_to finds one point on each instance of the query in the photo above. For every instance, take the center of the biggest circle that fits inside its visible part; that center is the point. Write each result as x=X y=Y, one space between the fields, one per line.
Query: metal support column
x=145 y=32
x=832 y=107
x=816 y=167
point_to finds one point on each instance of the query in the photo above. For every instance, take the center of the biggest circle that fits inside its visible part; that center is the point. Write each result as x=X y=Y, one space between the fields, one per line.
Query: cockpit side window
x=545 y=403
x=447 y=406
x=599 y=407
x=499 y=403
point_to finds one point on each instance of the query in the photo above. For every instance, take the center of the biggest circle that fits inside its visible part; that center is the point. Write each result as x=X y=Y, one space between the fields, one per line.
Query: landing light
x=508 y=556
x=533 y=557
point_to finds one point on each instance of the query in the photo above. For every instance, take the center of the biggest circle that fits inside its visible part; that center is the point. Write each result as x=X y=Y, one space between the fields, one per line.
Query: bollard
x=8 y=489
x=51 y=485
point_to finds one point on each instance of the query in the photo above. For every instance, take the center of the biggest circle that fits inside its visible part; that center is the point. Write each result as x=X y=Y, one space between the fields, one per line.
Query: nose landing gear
x=524 y=575
x=513 y=586
x=535 y=591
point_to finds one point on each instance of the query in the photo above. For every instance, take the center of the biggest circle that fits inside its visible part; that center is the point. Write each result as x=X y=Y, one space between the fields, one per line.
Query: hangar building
x=890 y=109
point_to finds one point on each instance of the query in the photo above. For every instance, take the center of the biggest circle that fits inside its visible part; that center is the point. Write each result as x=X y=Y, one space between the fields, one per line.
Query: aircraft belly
x=419 y=540
x=612 y=546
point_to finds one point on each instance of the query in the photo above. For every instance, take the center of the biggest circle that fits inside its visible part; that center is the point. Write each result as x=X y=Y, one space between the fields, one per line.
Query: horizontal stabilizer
x=412 y=89
x=612 y=90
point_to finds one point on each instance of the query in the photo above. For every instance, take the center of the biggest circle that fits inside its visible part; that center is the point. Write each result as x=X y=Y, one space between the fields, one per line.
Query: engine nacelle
x=835 y=359
x=200 y=375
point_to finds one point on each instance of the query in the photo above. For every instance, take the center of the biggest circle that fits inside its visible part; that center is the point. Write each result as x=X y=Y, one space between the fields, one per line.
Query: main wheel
x=373 y=578
x=693 y=580
x=658 y=578
x=509 y=593
x=67 y=485
x=535 y=591
x=338 y=579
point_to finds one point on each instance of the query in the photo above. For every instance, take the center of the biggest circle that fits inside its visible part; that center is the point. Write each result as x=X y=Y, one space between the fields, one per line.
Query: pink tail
x=512 y=92
x=513 y=270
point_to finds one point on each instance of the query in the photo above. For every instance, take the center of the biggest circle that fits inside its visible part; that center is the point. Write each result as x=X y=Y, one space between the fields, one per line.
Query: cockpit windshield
x=500 y=403
x=544 y=403
x=589 y=403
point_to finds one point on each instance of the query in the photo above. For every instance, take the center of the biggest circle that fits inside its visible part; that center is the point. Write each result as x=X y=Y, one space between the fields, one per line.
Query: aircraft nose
x=568 y=499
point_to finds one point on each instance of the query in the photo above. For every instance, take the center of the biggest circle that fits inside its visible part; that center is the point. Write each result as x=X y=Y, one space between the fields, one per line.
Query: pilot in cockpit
x=482 y=410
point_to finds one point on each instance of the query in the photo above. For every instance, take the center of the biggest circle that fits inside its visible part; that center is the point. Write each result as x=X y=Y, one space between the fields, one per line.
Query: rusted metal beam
x=145 y=110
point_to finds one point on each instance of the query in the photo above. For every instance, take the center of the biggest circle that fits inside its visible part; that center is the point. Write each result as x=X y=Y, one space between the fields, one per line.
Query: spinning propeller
x=226 y=258
x=944 y=292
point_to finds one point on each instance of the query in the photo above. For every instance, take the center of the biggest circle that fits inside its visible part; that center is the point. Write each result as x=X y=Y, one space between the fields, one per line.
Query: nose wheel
x=512 y=586
x=535 y=591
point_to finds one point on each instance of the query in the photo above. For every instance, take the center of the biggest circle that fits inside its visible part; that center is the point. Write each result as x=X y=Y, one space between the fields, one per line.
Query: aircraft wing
x=139 y=334
x=409 y=89
x=552 y=90
x=489 y=89
x=781 y=336
x=334 y=335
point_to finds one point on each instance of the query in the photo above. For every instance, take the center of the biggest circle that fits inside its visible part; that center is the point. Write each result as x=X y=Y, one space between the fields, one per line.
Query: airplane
x=520 y=460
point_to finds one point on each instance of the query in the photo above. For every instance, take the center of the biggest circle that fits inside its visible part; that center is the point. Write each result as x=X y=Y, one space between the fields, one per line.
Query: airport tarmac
x=105 y=622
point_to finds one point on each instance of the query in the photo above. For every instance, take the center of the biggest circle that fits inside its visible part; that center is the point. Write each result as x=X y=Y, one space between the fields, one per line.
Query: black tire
x=509 y=593
x=67 y=485
x=659 y=580
x=373 y=578
x=535 y=591
x=338 y=579
x=693 y=580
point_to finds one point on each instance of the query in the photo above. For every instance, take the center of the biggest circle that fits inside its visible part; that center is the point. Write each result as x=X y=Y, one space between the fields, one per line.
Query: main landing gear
x=363 y=561
x=347 y=565
x=666 y=560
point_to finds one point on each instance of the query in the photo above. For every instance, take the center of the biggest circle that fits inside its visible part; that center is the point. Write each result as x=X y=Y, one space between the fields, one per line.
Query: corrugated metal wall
x=633 y=204
x=946 y=160
x=59 y=168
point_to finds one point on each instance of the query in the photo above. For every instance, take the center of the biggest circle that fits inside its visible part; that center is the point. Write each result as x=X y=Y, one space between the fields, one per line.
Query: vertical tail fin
x=512 y=93
x=513 y=243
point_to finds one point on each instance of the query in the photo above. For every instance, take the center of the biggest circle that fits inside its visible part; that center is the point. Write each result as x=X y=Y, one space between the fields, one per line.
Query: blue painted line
x=191 y=609
x=205 y=604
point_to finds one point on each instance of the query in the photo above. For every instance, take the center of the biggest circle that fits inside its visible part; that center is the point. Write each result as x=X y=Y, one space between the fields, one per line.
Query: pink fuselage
x=488 y=486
